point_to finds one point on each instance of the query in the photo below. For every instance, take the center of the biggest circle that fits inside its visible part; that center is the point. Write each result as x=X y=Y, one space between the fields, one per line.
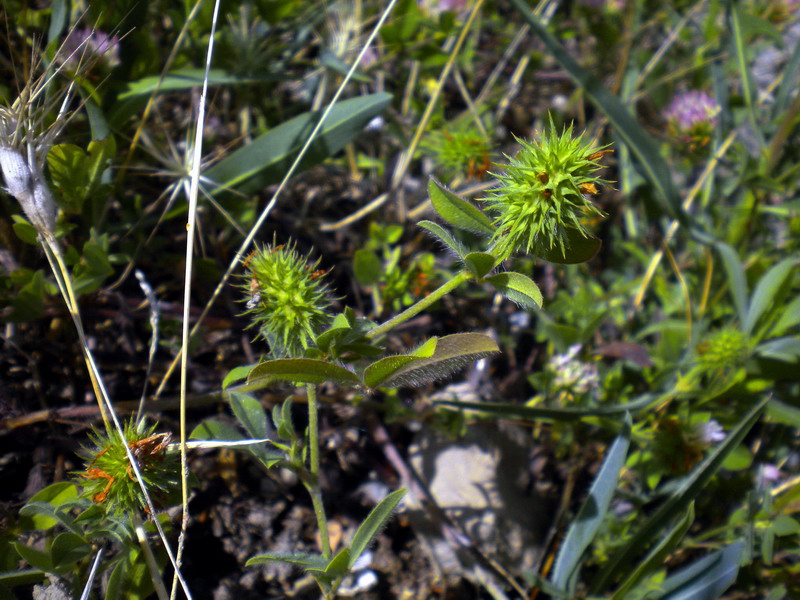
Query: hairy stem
x=417 y=308
x=313 y=486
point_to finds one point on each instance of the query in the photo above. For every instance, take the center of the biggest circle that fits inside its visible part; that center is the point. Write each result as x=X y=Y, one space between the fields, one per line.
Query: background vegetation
x=642 y=401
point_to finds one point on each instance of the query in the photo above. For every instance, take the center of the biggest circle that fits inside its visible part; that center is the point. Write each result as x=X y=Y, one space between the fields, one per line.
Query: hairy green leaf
x=457 y=211
x=372 y=525
x=301 y=370
x=301 y=559
x=518 y=288
x=480 y=263
x=452 y=353
x=381 y=370
x=444 y=236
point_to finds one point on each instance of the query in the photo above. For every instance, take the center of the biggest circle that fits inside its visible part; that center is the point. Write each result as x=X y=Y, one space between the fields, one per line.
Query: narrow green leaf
x=251 y=415
x=131 y=579
x=214 y=430
x=329 y=60
x=480 y=263
x=372 y=525
x=785 y=525
x=35 y=558
x=641 y=144
x=286 y=429
x=52 y=496
x=444 y=236
x=22 y=577
x=590 y=517
x=784 y=413
x=656 y=556
x=706 y=578
x=786 y=349
x=339 y=565
x=381 y=370
x=301 y=370
x=25 y=231
x=765 y=292
x=743 y=62
x=736 y=278
x=790 y=317
x=67 y=549
x=300 y=559
x=236 y=374
x=457 y=211
x=453 y=352
x=59 y=13
x=788 y=84
x=367 y=267
x=680 y=499
x=579 y=249
x=341 y=326
x=518 y=288
x=533 y=413
x=186 y=79
x=269 y=156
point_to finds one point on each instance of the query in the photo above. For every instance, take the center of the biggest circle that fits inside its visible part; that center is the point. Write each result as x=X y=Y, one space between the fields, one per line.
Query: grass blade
x=657 y=555
x=592 y=512
x=266 y=159
x=707 y=578
x=766 y=290
x=678 y=502
x=736 y=278
x=533 y=413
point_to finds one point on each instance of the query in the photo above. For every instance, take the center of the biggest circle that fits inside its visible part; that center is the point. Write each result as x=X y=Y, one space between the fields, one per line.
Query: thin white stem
x=191 y=227
x=245 y=246
x=53 y=253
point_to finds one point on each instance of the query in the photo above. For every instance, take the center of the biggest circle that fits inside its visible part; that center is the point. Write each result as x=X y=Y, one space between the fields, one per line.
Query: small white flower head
x=572 y=376
x=711 y=432
x=768 y=475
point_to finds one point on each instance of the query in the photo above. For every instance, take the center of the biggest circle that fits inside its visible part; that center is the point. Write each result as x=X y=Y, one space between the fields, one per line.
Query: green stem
x=417 y=308
x=313 y=487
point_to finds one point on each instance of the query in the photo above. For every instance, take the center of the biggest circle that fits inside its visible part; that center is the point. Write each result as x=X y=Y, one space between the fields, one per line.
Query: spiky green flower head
x=286 y=298
x=545 y=192
x=459 y=151
x=723 y=350
x=109 y=479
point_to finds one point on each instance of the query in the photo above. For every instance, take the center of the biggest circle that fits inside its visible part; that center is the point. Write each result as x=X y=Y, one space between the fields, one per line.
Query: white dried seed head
x=27 y=184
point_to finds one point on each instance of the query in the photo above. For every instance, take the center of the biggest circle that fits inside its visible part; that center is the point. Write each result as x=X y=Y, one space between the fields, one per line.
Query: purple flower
x=90 y=44
x=691 y=109
x=768 y=474
x=436 y=7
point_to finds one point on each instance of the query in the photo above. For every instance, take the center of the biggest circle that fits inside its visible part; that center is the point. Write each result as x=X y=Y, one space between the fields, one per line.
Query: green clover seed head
x=458 y=152
x=286 y=299
x=544 y=192
x=725 y=349
x=109 y=479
